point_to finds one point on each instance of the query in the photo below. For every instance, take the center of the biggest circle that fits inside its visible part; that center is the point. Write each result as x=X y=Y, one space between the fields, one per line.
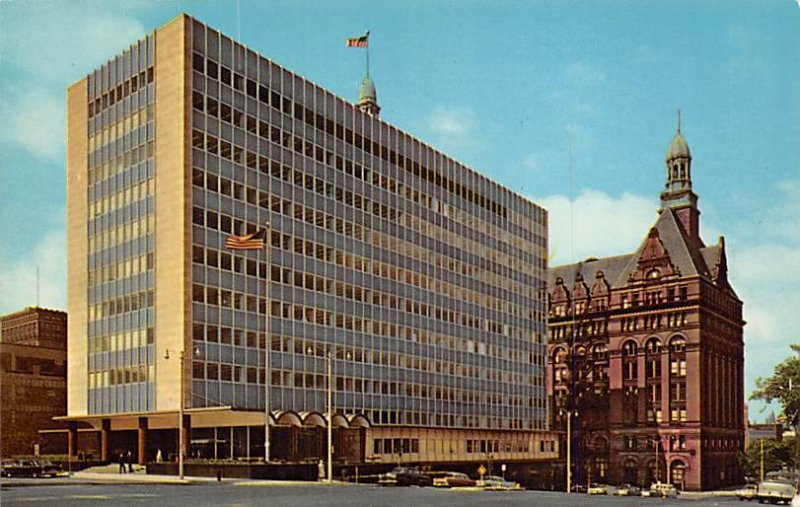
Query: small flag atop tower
x=358 y=42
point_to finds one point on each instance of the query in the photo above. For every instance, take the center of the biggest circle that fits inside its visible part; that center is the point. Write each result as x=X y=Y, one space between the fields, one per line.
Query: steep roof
x=689 y=258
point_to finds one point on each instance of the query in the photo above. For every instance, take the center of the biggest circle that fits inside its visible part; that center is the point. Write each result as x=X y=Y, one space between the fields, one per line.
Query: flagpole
x=267 y=343
x=367 y=53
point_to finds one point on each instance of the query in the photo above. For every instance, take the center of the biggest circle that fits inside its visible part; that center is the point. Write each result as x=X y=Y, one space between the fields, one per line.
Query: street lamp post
x=181 y=447
x=569 y=414
x=330 y=417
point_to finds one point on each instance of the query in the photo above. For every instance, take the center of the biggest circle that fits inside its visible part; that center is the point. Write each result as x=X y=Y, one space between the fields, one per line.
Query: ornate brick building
x=647 y=353
x=33 y=376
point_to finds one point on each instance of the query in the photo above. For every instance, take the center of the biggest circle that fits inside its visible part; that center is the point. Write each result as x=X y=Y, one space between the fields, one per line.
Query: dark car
x=405 y=476
x=48 y=469
x=22 y=468
x=6 y=464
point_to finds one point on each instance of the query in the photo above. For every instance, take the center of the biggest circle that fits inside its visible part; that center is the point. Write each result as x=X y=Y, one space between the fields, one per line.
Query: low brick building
x=33 y=377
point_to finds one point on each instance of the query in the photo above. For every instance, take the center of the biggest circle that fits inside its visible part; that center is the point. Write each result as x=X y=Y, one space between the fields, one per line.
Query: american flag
x=358 y=42
x=253 y=241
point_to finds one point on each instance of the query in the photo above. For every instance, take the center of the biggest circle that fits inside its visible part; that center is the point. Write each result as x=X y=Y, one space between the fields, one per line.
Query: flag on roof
x=358 y=42
x=253 y=241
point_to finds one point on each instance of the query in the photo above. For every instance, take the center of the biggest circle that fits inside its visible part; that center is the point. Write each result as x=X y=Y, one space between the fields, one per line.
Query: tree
x=783 y=386
x=777 y=455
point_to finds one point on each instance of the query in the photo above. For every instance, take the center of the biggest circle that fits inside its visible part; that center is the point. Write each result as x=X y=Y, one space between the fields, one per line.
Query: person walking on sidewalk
x=129 y=459
x=121 y=463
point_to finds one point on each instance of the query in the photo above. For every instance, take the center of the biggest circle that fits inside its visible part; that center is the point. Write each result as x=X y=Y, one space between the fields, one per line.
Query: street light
x=180 y=417
x=329 y=396
x=330 y=417
x=569 y=414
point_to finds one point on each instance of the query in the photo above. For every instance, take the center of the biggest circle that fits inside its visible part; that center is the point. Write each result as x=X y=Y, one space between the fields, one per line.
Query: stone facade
x=647 y=354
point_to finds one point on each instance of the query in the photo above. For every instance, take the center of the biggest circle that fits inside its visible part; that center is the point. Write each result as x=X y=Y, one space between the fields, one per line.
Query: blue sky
x=569 y=103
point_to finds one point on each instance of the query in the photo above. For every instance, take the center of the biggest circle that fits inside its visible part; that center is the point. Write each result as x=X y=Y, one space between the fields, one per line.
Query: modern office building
x=647 y=353
x=418 y=281
x=33 y=378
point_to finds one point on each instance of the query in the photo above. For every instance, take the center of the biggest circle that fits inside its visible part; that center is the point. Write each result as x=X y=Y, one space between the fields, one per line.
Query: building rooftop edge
x=184 y=15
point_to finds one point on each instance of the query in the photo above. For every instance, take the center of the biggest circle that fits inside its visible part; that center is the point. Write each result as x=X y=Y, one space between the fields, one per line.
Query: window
x=198 y=63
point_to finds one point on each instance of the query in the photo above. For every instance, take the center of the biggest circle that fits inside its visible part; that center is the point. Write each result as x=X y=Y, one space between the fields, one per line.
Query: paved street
x=242 y=494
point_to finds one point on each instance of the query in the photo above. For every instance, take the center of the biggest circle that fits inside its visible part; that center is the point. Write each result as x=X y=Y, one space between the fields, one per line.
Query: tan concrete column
x=142 y=441
x=105 y=430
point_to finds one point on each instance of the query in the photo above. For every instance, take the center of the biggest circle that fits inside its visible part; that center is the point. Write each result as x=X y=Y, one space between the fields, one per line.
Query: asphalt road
x=232 y=494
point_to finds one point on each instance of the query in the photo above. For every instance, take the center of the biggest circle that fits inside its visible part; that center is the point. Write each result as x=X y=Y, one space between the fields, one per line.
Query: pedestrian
x=121 y=463
x=159 y=457
x=129 y=459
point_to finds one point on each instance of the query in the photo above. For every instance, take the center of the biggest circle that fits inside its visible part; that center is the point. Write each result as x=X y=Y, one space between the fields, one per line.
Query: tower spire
x=678 y=194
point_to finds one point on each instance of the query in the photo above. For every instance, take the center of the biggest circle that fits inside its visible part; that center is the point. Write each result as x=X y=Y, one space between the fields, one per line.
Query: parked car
x=597 y=489
x=748 y=492
x=662 y=489
x=22 y=468
x=453 y=480
x=628 y=490
x=775 y=492
x=495 y=483
x=405 y=476
x=5 y=464
x=578 y=488
x=48 y=469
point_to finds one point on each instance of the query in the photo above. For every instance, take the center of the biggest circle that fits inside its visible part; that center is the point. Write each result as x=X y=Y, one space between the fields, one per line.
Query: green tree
x=777 y=455
x=783 y=386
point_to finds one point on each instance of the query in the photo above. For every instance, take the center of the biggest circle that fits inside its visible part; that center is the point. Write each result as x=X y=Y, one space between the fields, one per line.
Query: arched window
x=653 y=346
x=600 y=352
x=678 y=474
x=631 y=471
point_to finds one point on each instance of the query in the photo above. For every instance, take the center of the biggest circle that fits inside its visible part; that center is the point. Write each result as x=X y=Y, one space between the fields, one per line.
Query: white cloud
x=451 y=121
x=43 y=54
x=595 y=224
x=34 y=119
x=72 y=39
x=18 y=278
x=762 y=260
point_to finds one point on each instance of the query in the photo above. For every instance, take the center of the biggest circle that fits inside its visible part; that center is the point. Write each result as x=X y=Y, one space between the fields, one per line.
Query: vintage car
x=628 y=490
x=22 y=468
x=597 y=489
x=749 y=492
x=495 y=483
x=663 y=490
x=452 y=480
x=405 y=476
x=775 y=491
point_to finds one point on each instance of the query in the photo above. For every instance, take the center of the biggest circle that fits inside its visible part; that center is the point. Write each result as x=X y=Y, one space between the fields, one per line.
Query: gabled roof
x=684 y=256
x=689 y=258
x=610 y=266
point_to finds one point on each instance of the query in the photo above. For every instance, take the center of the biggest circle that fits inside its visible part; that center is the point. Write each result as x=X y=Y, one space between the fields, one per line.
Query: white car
x=662 y=489
x=495 y=483
x=776 y=491
x=597 y=489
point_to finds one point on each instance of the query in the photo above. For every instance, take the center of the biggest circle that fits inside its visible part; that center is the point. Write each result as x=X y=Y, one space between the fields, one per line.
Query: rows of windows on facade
x=376 y=257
